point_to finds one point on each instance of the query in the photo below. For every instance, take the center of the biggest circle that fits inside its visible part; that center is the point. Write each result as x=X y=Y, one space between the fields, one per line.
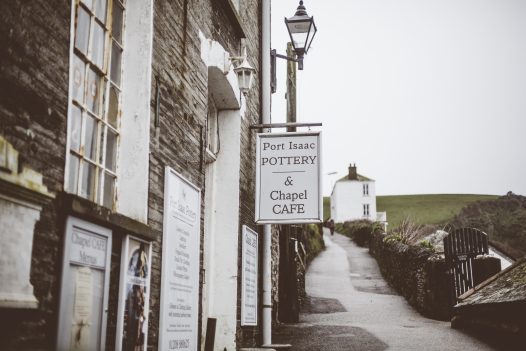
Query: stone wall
x=298 y=246
x=34 y=78
x=34 y=67
x=421 y=276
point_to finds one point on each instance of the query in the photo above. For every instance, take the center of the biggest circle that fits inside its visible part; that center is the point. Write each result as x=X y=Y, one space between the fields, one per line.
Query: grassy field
x=422 y=209
x=425 y=209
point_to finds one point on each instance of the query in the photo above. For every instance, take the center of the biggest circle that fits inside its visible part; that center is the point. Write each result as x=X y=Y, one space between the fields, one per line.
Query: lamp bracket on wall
x=273 y=56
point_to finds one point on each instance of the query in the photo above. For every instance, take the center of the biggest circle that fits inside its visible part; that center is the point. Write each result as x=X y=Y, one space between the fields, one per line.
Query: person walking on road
x=331 y=226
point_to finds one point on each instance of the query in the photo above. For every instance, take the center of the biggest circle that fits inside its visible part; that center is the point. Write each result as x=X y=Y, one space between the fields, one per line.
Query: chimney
x=353 y=175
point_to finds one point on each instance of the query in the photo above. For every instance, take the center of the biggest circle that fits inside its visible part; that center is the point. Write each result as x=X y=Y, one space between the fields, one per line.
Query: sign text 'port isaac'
x=288 y=178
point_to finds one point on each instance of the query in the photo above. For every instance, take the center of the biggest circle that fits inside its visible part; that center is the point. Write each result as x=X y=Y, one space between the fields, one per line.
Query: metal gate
x=461 y=247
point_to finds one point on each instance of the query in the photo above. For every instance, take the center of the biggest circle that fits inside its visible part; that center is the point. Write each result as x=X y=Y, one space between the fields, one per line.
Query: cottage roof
x=360 y=177
x=507 y=286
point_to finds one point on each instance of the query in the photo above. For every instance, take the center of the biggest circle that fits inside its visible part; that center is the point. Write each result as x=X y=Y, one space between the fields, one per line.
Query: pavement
x=351 y=307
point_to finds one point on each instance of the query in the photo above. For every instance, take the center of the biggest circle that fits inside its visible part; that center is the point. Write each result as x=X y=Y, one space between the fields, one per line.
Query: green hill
x=503 y=219
x=425 y=209
x=422 y=209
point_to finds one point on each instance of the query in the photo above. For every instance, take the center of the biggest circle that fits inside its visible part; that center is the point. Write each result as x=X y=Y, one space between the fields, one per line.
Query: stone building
x=126 y=173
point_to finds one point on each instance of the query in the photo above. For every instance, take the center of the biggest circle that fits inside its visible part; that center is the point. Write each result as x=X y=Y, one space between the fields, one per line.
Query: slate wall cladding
x=34 y=56
x=182 y=78
x=34 y=78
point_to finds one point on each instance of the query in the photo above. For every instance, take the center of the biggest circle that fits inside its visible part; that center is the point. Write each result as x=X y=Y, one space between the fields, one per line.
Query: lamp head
x=301 y=28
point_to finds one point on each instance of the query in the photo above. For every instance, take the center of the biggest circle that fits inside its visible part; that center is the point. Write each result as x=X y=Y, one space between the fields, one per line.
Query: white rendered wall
x=133 y=157
x=225 y=231
x=347 y=201
x=222 y=200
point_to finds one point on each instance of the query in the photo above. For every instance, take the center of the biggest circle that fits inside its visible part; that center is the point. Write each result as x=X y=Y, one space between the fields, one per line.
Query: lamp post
x=297 y=27
x=332 y=181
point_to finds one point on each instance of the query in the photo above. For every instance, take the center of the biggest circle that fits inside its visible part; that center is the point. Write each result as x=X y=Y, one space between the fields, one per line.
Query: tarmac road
x=351 y=307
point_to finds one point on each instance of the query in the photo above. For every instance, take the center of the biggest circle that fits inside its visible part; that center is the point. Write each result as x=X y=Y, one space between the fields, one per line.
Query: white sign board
x=249 y=274
x=288 y=178
x=84 y=287
x=88 y=249
x=180 y=264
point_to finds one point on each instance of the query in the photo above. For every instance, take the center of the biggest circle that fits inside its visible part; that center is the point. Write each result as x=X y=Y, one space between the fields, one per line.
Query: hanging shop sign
x=180 y=264
x=132 y=321
x=249 y=278
x=288 y=178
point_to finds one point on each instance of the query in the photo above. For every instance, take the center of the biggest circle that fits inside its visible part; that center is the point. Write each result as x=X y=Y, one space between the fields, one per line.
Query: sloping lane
x=349 y=274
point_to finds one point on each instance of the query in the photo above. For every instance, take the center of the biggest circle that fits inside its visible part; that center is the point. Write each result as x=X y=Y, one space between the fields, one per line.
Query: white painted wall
x=133 y=157
x=347 y=200
x=222 y=201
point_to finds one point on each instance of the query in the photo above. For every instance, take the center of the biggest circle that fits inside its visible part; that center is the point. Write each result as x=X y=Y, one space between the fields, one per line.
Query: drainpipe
x=267 y=231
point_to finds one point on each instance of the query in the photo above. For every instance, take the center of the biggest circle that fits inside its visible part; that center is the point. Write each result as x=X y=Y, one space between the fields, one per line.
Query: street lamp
x=301 y=30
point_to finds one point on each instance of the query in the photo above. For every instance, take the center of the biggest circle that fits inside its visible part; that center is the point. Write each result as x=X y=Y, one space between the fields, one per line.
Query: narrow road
x=351 y=307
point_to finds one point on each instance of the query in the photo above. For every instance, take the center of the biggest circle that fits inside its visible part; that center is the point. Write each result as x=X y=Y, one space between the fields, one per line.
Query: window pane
x=117 y=15
x=82 y=31
x=103 y=131
x=87 y=187
x=97 y=45
x=100 y=10
x=79 y=69
x=111 y=150
x=116 y=56
x=93 y=96
x=113 y=107
x=109 y=185
x=88 y=3
x=73 y=174
x=74 y=128
x=90 y=137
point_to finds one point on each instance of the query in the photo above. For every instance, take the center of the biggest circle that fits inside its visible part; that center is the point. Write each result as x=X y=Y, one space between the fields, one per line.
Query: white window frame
x=102 y=125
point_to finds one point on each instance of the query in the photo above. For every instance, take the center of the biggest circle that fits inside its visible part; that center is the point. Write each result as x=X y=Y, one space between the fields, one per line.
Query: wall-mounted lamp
x=245 y=72
x=302 y=30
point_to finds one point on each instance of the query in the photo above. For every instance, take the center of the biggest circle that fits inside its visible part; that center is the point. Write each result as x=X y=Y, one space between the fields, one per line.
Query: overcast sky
x=424 y=96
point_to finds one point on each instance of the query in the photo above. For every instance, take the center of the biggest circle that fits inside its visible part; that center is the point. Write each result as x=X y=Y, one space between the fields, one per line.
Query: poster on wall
x=288 y=178
x=180 y=264
x=132 y=321
x=249 y=278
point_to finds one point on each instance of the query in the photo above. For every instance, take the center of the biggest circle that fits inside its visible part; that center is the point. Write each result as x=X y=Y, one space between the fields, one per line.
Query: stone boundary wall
x=421 y=276
x=288 y=271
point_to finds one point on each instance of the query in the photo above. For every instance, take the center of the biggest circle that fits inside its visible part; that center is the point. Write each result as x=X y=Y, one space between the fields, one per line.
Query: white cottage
x=353 y=197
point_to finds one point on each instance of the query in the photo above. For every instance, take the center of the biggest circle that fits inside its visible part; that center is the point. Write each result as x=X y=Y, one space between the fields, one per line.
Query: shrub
x=313 y=241
x=427 y=244
x=360 y=231
x=394 y=237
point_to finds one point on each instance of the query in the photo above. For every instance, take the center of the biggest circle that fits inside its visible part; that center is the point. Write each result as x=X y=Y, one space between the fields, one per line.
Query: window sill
x=74 y=205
